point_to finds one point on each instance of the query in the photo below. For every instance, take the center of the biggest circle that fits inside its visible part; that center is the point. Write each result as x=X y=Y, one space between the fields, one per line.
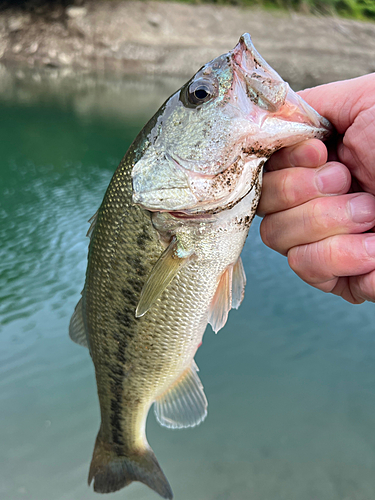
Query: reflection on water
x=290 y=379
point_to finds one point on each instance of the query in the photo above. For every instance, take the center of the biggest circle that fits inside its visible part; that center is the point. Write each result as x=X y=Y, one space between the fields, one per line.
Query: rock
x=3 y=47
x=17 y=48
x=76 y=12
x=64 y=58
x=33 y=48
x=57 y=13
x=17 y=23
x=154 y=20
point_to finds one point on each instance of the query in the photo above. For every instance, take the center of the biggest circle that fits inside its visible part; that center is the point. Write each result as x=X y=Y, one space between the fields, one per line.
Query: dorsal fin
x=77 y=330
x=92 y=222
x=163 y=272
x=184 y=404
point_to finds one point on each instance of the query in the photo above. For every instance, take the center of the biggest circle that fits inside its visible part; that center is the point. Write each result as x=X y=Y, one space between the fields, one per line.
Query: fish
x=164 y=253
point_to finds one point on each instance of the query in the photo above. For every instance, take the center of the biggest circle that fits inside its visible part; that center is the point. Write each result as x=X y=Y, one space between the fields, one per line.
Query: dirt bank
x=175 y=39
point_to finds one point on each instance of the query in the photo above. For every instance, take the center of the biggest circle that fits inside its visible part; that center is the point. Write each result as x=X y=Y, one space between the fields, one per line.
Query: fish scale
x=164 y=253
x=136 y=360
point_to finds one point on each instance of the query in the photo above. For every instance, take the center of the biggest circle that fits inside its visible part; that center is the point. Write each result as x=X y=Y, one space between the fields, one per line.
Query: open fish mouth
x=273 y=97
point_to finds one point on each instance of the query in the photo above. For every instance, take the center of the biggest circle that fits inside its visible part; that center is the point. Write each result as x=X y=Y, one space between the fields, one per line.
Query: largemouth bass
x=164 y=255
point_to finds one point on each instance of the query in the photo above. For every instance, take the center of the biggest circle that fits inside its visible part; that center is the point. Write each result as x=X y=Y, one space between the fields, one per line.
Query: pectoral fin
x=184 y=404
x=165 y=269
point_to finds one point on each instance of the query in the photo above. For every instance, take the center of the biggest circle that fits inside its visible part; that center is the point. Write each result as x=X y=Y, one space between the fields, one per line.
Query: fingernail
x=305 y=155
x=362 y=208
x=370 y=245
x=331 y=179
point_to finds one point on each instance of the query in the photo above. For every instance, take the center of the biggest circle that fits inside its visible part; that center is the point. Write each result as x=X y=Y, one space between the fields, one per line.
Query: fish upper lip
x=301 y=111
x=270 y=92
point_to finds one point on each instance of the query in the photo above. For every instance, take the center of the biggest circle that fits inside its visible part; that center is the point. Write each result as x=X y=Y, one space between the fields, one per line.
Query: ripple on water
x=42 y=256
x=290 y=379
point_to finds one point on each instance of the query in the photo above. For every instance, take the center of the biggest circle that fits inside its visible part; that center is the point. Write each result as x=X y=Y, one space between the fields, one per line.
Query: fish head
x=205 y=147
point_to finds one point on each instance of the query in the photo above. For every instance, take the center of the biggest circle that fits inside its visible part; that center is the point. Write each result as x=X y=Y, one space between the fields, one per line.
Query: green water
x=290 y=379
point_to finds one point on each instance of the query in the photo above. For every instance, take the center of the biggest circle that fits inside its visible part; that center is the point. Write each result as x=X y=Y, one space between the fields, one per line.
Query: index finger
x=310 y=154
x=341 y=102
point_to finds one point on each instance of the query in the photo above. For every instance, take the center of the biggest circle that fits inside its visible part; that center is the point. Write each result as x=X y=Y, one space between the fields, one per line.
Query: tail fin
x=111 y=472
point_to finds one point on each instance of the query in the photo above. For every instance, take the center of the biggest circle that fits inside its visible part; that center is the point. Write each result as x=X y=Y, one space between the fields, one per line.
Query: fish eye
x=201 y=93
x=198 y=92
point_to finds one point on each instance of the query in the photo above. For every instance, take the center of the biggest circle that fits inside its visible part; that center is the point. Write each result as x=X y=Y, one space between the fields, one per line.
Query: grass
x=354 y=9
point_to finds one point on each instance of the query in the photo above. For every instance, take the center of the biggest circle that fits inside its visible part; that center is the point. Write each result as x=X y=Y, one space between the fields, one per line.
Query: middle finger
x=317 y=219
x=287 y=188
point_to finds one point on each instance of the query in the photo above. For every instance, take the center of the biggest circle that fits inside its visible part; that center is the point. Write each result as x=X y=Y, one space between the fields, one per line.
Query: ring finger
x=287 y=188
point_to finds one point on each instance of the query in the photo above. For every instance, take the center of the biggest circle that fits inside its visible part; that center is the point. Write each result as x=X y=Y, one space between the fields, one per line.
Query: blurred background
x=290 y=379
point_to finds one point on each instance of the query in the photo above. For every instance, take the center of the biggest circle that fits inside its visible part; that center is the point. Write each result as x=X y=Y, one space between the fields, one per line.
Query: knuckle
x=316 y=219
x=265 y=231
x=270 y=234
x=296 y=260
x=327 y=286
x=312 y=262
x=287 y=189
x=334 y=250
x=363 y=287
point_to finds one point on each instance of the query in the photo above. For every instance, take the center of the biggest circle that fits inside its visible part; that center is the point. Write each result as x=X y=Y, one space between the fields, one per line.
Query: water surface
x=290 y=379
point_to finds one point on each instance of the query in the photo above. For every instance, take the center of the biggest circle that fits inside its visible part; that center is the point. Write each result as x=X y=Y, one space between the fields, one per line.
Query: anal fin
x=229 y=294
x=222 y=301
x=92 y=222
x=77 y=331
x=238 y=283
x=184 y=404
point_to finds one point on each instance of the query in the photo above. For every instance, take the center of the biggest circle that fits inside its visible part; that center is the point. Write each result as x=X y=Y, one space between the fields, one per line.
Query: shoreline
x=174 y=39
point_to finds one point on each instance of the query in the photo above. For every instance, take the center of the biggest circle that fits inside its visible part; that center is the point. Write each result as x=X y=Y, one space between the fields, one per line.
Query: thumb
x=341 y=102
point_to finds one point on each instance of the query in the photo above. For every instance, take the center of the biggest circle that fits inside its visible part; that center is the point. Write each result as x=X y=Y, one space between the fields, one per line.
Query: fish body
x=164 y=253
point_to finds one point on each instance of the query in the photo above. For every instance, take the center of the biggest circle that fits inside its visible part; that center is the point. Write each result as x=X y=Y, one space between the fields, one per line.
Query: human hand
x=350 y=106
x=308 y=214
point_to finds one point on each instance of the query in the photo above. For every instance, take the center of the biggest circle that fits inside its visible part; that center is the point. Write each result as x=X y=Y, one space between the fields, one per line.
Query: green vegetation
x=355 y=9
